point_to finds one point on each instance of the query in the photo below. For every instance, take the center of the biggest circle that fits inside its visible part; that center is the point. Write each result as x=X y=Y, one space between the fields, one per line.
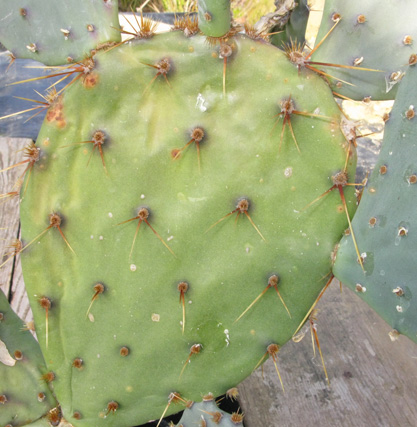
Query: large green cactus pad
x=24 y=395
x=118 y=364
x=56 y=32
x=385 y=222
x=372 y=34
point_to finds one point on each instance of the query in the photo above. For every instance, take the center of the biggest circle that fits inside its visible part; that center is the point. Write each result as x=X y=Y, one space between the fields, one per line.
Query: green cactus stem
x=214 y=17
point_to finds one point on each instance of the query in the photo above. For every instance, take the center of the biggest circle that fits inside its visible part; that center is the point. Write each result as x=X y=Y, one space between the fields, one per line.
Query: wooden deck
x=373 y=380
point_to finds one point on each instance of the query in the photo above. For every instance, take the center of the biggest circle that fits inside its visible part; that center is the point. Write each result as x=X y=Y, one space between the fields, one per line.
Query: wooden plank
x=11 y=279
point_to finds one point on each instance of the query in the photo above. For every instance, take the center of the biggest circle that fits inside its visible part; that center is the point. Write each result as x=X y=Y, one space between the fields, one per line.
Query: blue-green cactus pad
x=57 y=32
x=208 y=414
x=373 y=34
x=385 y=222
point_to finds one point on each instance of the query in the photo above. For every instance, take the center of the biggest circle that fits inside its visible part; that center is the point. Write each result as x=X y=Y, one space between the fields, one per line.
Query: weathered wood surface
x=373 y=380
x=11 y=279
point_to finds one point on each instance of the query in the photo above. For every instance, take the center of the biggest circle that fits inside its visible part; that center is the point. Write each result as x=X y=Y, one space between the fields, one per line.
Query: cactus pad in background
x=385 y=222
x=57 y=32
x=164 y=201
x=379 y=35
x=295 y=28
x=206 y=413
x=25 y=395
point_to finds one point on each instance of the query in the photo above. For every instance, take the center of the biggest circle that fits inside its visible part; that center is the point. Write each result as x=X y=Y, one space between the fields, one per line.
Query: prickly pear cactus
x=25 y=395
x=385 y=222
x=57 y=32
x=170 y=244
x=378 y=35
x=178 y=218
